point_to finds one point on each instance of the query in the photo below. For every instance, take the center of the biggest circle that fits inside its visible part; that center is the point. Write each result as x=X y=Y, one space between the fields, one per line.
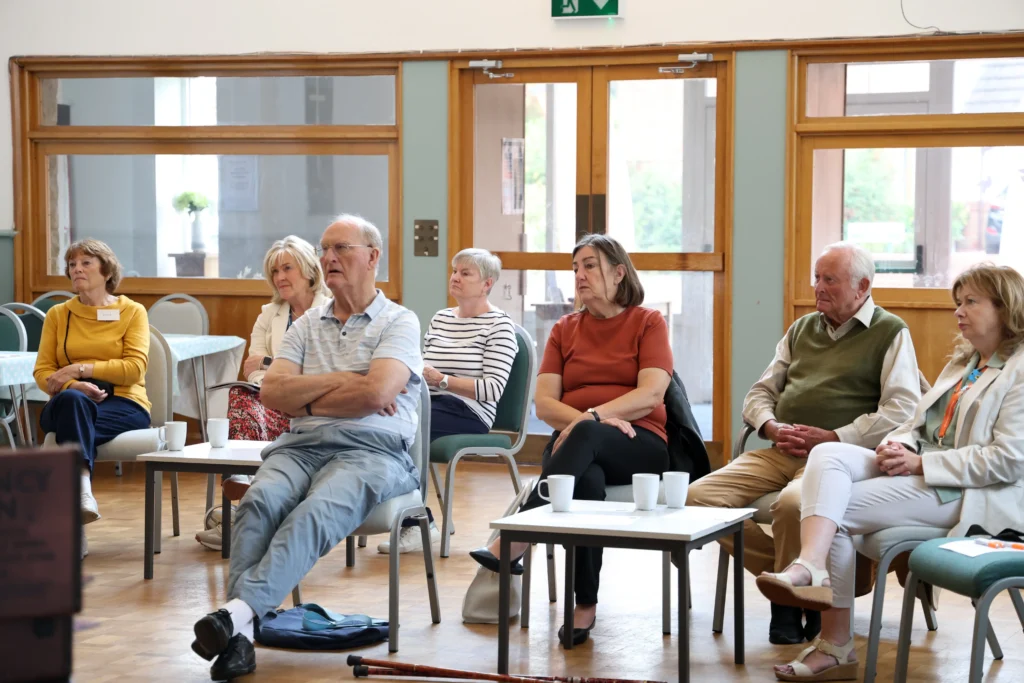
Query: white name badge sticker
x=108 y=314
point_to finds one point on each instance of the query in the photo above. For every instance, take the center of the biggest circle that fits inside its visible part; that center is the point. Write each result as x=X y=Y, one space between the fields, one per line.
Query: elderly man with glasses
x=348 y=374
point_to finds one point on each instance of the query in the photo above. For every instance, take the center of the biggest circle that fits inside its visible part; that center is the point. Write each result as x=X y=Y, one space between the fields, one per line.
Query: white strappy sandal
x=780 y=590
x=844 y=670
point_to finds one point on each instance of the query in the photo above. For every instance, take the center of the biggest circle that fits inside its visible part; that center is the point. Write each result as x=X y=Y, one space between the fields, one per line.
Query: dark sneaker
x=237 y=660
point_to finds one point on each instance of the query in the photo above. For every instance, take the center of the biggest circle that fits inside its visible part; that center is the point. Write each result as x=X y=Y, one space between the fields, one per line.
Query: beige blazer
x=269 y=330
x=987 y=460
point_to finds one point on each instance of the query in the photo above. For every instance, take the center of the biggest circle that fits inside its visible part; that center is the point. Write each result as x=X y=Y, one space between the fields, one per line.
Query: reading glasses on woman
x=339 y=249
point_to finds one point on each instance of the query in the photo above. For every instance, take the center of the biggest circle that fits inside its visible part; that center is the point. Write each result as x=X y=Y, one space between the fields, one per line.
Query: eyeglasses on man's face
x=340 y=249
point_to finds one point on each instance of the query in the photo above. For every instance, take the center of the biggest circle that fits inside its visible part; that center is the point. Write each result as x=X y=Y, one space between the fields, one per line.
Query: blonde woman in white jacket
x=959 y=461
x=294 y=274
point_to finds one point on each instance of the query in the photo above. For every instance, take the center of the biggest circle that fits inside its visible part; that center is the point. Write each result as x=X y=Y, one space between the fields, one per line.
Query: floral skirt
x=250 y=420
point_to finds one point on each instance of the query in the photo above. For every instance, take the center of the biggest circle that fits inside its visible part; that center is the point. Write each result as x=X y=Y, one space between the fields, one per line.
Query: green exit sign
x=574 y=9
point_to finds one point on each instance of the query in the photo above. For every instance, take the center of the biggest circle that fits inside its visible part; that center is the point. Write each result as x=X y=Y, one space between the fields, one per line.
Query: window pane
x=661 y=165
x=128 y=202
x=962 y=86
x=537 y=299
x=925 y=214
x=524 y=174
x=219 y=101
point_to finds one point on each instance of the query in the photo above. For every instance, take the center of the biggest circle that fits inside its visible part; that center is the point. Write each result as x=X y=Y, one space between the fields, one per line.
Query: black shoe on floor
x=787 y=625
x=237 y=660
x=579 y=635
x=485 y=558
x=212 y=634
x=812 y=627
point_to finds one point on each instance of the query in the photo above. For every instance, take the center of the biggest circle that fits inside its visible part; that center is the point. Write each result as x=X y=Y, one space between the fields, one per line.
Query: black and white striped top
x=482 y=347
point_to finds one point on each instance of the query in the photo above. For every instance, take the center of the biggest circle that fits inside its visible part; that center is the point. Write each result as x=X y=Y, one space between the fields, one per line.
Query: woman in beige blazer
x=294 y=274
x=959 y=461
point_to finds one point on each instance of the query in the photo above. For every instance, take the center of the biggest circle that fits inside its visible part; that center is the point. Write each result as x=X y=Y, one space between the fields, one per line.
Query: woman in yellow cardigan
x=92 y=361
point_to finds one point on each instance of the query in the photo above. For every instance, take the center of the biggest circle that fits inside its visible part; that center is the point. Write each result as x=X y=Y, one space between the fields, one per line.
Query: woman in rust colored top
x=601 y=387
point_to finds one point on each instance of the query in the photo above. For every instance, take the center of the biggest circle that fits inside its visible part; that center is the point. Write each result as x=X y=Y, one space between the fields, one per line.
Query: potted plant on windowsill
x=194 y=203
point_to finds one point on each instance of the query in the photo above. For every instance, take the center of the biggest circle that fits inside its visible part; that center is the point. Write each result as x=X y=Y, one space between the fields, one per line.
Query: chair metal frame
x=983 y=631
x=27 y=309
x=421 y=454
x=16 y=391
x=506 y=454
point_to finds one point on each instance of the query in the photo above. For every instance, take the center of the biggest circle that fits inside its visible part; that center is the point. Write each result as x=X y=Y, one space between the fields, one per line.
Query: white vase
x=197 y=233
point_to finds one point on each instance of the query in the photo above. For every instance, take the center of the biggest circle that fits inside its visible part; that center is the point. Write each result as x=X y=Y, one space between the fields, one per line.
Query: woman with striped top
x=467 y=355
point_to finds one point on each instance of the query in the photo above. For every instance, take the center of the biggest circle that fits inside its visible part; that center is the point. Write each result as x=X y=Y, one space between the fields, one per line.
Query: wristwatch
x=267 y=360
x=443 y=384
x=593 y=411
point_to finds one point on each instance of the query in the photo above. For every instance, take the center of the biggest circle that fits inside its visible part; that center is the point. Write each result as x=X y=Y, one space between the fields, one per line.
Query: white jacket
x=987 y=460
x=269 y=330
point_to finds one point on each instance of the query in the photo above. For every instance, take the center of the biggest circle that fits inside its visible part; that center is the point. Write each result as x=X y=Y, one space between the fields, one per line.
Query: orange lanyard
x=964 y=385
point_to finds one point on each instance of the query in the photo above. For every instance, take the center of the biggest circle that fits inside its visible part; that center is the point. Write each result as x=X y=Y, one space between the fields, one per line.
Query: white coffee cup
x=174 y=433
x=560 y=487
x=645 y=491
x=675 y=488
x=217 y=431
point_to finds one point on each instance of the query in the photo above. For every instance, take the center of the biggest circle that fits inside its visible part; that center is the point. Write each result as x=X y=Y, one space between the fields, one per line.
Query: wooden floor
x=141 y=630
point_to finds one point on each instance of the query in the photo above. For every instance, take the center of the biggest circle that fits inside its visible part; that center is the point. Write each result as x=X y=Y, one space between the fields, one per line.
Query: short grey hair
x=862 y=265
x=487 y=263
x=367 y=230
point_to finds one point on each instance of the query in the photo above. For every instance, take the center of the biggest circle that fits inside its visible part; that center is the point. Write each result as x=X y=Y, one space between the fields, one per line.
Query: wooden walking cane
x=363 y=667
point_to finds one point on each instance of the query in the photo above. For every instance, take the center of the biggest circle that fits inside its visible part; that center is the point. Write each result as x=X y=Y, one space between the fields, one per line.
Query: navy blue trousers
x=76 y=418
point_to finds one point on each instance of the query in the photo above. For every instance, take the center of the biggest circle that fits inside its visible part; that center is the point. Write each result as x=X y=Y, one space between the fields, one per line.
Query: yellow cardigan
x=118 y=349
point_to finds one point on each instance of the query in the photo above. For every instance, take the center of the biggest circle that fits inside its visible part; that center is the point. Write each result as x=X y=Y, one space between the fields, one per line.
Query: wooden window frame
x=34 y=142
x=809 y=133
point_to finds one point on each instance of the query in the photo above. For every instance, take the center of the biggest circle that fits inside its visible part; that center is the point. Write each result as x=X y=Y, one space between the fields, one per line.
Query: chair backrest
x=12 y=332
x=513 y=412
x=179 y=314
x=159 y=388
x=740 y=445
x=32 y=318
x=420 y=450
x=45 y=302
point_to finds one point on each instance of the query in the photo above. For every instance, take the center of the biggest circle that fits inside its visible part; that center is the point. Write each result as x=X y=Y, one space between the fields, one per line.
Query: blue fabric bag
x=311 y=627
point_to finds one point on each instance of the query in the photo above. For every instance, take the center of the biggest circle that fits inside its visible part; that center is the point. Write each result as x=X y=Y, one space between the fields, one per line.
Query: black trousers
x=599 y=455
x=76 y=418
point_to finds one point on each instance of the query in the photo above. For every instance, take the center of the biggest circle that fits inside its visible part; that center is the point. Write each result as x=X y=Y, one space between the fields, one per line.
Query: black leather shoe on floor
x=237 y=660
x=212 y=634
x=787 y=626
x=579 y=635
x=485 y=558
x=812 y=627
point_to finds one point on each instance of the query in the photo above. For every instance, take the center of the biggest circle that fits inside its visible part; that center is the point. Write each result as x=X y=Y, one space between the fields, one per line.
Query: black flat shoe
x=486 y=559
x=786 y=627
x=237 y=660
x=812 y=625
x=579 y=635
x=212 y=634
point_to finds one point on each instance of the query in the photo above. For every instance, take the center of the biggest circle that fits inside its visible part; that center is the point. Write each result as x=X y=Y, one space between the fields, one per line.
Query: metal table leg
x=200 y=391
x=504 y=600
x=737 y=580
x=684 y=615
x=147 y=557
x=225 y=524
x=570 y=599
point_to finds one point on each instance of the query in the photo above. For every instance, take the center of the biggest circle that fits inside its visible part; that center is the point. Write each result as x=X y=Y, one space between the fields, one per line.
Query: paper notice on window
x=513 y=176
x=972 y=548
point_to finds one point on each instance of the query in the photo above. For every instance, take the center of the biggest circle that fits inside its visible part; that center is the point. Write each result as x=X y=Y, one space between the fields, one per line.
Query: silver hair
x=305 y=258
x=367 y=230
x=862 y=265
x=487 y=263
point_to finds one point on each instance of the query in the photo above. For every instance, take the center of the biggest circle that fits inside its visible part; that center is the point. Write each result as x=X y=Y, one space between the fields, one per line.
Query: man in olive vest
x=845 y=373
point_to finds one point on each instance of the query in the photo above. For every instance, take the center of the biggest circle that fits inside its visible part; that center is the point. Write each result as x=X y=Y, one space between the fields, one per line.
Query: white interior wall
x=130 y=27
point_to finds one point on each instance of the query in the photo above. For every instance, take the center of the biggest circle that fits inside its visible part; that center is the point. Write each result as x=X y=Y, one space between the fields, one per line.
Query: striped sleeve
x=499 y=353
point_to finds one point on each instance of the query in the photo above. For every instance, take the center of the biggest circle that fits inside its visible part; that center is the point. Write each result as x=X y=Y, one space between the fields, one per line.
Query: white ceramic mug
x=173 y=434
x=560 y=487
x=675 y=488
x=645 y=491
x=217 y=431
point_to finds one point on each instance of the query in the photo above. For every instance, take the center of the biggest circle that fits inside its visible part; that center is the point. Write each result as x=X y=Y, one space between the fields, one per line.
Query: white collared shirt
x=900 y=382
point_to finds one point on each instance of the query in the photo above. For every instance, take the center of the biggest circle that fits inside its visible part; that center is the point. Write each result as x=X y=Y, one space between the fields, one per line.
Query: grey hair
x=305 y=258
x=487 y=263
x=367 y=230
x=862 y=265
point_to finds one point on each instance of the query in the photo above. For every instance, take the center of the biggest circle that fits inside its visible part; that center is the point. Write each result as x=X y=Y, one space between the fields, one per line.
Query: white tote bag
x=480 y=606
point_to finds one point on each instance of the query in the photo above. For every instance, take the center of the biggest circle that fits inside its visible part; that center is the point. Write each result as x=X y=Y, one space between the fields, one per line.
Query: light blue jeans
x=313 y=490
